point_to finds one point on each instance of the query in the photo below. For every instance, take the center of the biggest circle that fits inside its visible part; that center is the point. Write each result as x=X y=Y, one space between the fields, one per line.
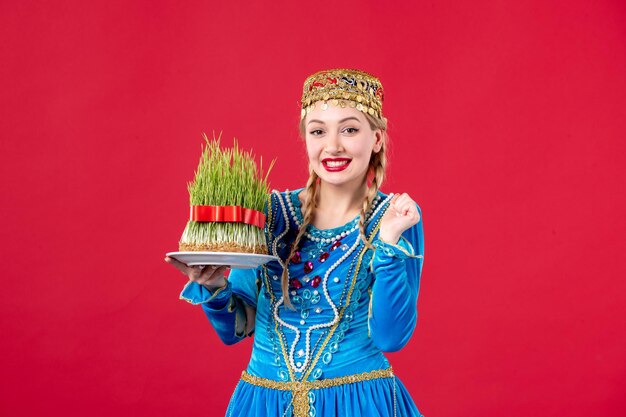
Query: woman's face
x=339 y=143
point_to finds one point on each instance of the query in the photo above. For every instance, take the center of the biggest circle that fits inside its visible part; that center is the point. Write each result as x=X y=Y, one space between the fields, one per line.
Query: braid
x=307 y=213
x=378 y=163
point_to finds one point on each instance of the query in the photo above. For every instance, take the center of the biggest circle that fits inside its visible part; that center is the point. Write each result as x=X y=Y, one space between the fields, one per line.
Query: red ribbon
x=235 y=214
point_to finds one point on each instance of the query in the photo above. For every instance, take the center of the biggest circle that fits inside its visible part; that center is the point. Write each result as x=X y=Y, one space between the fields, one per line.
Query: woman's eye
x=351 y=130
x=316 y=132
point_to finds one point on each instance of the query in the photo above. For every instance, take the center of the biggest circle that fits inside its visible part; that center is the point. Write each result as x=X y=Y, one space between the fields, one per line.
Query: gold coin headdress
x=343 y=87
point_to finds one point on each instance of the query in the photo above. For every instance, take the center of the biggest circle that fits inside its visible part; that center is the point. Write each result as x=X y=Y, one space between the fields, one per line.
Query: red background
x=508 y=121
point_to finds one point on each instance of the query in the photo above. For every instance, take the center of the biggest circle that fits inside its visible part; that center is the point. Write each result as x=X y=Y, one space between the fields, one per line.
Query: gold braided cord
x=276 y=329
x=348 y=298
x=318 y=384
x=334 y=327
x=268 y=285
x=331 y=332
x=300 y=389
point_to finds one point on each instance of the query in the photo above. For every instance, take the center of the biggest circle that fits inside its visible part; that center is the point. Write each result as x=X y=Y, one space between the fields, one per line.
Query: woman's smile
x=335 y=164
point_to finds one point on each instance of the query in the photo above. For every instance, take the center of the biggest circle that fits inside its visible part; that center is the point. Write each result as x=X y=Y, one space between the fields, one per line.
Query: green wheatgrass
x=226 y=177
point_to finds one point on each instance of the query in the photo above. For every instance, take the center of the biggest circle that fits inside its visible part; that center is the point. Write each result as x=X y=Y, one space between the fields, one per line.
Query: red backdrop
x=508 y=122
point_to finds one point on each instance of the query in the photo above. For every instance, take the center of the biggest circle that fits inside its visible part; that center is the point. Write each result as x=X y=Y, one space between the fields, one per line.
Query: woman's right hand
x=212 y=277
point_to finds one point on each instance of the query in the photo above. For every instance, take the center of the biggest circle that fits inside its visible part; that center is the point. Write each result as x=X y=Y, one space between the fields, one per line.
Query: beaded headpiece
x=361 y=90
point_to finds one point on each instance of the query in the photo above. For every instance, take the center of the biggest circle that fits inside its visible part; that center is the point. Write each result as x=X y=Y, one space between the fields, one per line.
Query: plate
x=232 y=259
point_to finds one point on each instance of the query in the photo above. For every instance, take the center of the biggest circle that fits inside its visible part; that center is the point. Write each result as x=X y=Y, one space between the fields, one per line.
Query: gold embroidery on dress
x=276 y=329
x=348 y=297
x=369 y=312
x=300 y=389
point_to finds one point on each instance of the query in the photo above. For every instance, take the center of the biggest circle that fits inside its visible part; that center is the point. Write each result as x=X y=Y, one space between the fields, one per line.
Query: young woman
x=345 y=289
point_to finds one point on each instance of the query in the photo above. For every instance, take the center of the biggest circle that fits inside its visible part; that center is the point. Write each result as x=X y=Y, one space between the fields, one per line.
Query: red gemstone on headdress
x=324 y=256
x=296 y=258
x=332 y=80
x=315 y=282
x=335 y=245
x=308 y=267
x=379 y=93
x=295 y=283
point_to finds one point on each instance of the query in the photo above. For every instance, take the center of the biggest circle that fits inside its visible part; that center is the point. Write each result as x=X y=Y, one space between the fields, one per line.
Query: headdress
x=361 y=90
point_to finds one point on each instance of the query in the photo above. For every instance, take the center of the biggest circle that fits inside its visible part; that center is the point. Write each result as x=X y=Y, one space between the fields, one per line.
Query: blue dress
x=325 y=357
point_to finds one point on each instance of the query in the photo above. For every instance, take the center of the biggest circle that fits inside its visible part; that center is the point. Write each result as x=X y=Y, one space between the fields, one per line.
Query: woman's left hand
x=400 y=216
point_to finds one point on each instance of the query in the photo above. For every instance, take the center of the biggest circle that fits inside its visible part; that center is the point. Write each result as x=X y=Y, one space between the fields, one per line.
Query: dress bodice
x=326 y=333
x=350 y=303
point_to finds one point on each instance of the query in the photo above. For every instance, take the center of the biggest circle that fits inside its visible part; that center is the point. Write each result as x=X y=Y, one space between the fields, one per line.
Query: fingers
x=404 y=205
x=210 y=275
x=201 y=274
x=220 y=271
x=177 y=264
x=195 y=272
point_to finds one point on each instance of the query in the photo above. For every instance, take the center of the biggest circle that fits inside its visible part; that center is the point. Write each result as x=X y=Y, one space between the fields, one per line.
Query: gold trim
x=300 y=390
x=277 y=332
x=369 y=312
x=268 y=284
x=318 y=384
x=331 y=332
x=190 y=301
x=407 y=253
x=232 y=305
x=240 y=318
x=348 y=296
x=215 y=293
x=334 y=327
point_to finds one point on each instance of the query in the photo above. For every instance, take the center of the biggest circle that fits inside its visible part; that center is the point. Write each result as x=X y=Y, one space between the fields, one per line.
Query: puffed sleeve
x=231 y=309
x=393 y=304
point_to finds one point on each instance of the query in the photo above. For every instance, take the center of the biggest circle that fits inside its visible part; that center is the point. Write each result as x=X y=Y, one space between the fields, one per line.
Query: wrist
x=214 y=287
x=389 y=238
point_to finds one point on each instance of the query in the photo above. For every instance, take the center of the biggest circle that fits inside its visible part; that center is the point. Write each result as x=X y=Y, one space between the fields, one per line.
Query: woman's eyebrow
x=340 y=121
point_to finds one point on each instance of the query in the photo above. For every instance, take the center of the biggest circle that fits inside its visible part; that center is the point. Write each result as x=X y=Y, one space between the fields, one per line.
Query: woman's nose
x=333 y=143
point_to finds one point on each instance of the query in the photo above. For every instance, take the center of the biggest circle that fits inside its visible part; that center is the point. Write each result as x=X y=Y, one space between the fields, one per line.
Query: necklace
x=332 y=239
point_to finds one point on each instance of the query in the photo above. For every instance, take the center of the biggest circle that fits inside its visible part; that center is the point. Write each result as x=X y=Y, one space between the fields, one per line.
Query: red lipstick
x=335 y=164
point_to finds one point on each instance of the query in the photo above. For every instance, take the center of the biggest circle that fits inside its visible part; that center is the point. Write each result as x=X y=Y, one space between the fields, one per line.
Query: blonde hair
x=377 y=165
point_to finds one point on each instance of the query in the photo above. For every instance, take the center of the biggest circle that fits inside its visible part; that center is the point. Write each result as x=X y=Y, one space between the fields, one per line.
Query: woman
x=345 y=289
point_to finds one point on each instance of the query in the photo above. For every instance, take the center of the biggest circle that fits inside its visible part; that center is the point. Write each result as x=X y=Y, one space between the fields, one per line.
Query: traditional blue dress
x=325 y=358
